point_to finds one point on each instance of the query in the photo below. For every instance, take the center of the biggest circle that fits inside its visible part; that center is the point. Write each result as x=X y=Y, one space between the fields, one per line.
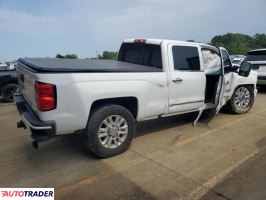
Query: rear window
x=256 y=56
x=141 y=54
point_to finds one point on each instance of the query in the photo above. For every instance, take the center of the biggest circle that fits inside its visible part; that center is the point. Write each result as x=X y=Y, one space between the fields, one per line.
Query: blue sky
x=40 y=28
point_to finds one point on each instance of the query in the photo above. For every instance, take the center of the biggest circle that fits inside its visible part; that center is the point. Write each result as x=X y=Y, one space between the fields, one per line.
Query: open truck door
x=228 y=79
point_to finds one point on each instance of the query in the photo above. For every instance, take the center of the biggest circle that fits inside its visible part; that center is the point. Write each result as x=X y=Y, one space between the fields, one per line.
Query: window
x=256 y=56
x=142 y=54
x=186 y=58
x=226 y=59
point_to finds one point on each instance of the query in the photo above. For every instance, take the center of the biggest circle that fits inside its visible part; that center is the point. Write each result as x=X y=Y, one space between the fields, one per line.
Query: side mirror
x=235 y=68
x=244 y=69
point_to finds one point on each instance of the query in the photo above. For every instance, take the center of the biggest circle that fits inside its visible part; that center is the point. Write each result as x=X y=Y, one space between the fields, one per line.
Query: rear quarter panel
x=77 y=91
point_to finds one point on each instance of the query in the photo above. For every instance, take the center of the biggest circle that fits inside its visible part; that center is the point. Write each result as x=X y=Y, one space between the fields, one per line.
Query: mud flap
x=200 y=112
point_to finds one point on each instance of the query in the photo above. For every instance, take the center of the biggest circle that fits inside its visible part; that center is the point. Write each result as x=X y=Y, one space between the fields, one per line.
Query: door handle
x=177 y=80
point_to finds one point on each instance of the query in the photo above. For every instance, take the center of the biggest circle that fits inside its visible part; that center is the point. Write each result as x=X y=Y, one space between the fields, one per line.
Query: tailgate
x=26 y=80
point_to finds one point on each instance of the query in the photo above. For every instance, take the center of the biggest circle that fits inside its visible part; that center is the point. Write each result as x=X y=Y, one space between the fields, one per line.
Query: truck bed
x=46 y=65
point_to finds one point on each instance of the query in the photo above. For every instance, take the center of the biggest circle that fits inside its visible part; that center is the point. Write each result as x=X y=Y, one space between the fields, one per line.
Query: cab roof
x=159 y=41
x=257 y=50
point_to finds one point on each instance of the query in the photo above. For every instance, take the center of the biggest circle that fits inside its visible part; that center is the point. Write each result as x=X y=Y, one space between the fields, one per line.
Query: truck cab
x=198 y=76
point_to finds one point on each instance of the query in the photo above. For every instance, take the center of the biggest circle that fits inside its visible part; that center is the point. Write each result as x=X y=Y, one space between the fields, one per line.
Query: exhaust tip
x=35 y=144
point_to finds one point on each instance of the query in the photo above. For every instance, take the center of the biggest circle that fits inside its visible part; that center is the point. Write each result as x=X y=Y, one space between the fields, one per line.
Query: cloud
x=26 y=23
x=83 y=26
x=145 y=17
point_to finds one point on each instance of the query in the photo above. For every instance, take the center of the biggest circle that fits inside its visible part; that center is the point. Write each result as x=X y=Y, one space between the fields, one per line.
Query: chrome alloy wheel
x=113 y=131
x=242 y=98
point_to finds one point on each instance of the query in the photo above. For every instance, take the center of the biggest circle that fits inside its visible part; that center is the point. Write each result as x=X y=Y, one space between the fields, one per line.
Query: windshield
x=142 y=54
x=256 y=56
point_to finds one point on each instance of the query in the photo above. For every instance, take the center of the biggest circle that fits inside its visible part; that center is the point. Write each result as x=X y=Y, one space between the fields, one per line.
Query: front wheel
x=110 y=130
x=241 y=100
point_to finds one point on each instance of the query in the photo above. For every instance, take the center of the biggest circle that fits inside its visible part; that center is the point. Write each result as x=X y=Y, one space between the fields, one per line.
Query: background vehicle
x=237 y=60
x=8 y=84
x=151 y=78
x=3 y=66
x=258 y=59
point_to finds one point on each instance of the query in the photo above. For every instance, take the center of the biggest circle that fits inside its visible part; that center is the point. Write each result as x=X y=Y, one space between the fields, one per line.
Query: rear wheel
x=241 y=100
x=110 y=130
x=8 y=91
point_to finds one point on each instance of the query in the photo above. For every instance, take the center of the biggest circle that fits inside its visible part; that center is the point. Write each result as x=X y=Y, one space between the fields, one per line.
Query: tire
x=95 y=140
x=241 y=104
x=8 y=91
x=262 y=88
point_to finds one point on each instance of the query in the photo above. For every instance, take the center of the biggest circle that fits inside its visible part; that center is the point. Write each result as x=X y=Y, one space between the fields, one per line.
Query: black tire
x=233 y=108
x=96 y=119
x=262 y=88
x=8 y=91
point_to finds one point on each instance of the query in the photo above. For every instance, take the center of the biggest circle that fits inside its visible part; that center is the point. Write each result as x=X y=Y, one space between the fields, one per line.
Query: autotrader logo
x=27 y=193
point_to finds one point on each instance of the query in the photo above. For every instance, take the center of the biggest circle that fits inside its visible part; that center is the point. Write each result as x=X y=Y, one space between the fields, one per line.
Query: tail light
x=45 y=96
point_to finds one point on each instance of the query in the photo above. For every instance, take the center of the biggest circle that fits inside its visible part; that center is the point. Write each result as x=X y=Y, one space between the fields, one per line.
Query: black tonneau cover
x=82 y=65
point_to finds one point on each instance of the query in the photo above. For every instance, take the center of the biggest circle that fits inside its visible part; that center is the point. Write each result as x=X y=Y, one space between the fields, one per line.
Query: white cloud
x=85 y=24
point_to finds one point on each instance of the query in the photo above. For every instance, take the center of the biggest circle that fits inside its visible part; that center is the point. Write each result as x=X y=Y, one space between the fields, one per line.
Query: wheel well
x=250 y=85
x=131 y=103
x=13 y=81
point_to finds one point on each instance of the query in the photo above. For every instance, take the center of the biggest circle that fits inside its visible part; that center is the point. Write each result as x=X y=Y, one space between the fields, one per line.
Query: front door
x=187 y=78
x=227 y=80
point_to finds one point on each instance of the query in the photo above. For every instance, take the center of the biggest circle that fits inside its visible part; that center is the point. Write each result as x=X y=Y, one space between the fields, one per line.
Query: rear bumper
x=39 y=130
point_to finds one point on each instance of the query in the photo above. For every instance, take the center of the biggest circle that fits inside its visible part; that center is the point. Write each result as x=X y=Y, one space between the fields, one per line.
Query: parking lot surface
x=220 y=158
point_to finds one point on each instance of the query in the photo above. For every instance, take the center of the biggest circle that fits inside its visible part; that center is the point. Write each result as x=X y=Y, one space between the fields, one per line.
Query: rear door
x=228 y=80
x=154 y=84
x=187 y=78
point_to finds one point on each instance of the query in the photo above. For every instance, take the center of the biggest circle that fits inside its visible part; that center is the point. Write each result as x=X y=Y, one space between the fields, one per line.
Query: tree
x=59 y=56
x=237 y=43
x=69 y=56
x=108 y=55
x=259 y=40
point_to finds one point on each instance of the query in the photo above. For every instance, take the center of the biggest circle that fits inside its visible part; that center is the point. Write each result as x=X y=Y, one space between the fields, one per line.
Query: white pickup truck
x=104 y=99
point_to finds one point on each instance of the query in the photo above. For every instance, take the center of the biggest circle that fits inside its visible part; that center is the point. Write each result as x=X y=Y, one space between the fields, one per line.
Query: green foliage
x=71 y=56
x=68 y=56
x=108 y=55
x=259 y=40
x=59 y=56
x=237 y=43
